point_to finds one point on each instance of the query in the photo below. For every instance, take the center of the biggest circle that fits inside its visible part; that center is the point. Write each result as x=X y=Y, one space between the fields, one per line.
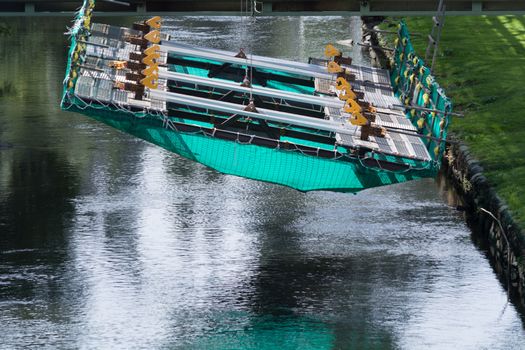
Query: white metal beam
x=257 y=58
x=278 y=94
x=245 y=62
x=266 y=114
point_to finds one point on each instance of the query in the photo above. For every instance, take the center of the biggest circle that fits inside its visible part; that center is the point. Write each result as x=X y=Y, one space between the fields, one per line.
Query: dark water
x=109 y=242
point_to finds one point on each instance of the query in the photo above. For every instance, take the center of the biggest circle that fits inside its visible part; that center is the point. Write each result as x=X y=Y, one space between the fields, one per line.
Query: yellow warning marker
x=152 y=50
x=358 y=119
x=341 y=83
x=151 y=70
x=352 y=107
x=154 y=22
x=331 y=51
x=347 y=94
x=334 y=68
x=153 y=37
x=151 y=81
x=150 y=60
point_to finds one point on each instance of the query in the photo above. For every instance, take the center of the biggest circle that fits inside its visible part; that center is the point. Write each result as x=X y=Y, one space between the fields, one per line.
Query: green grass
x=481 y=66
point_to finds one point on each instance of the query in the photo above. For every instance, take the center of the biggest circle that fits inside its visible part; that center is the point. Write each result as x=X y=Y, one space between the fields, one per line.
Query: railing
x=265 y=7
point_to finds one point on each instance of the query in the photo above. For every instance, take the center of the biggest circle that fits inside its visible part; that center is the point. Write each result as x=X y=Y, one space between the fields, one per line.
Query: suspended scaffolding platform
x=322 y=125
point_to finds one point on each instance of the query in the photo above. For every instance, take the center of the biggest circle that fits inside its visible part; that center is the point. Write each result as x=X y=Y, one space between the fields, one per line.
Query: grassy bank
x=481 y=66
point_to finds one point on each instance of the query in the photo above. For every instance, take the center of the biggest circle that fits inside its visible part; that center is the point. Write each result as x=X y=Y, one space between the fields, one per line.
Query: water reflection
x=107 y=241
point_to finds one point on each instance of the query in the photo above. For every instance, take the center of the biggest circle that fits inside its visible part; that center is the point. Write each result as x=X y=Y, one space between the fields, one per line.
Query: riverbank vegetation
x=481 y=67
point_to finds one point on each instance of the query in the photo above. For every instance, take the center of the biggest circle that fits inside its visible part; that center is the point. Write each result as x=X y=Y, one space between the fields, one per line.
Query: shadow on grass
x=508 y=36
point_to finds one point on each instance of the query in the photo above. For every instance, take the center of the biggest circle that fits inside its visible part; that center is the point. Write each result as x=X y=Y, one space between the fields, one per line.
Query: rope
x=247 y=9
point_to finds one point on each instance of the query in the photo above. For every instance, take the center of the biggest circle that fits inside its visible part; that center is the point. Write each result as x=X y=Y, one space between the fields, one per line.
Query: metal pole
x=441 y=20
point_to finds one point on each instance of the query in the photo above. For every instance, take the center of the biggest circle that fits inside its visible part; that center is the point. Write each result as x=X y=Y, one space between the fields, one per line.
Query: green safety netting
x=415 y=85
x=290 y=166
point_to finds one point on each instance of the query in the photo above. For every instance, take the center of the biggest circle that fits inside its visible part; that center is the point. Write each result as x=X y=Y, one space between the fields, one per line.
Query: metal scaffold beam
x=260 y=91
x=264 y=114
x=257 y=58
x=312 y=72
x=265 y=7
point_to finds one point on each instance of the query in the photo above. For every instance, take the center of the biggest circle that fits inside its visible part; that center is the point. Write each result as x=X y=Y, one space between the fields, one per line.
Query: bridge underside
x=266 y=7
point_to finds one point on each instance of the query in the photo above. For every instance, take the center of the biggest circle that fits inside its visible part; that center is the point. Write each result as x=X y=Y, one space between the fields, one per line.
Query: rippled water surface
x=109 y=242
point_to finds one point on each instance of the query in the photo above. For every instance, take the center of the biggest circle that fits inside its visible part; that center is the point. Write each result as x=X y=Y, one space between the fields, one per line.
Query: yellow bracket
x=334 y=68
x=352 y=107
x=150 y=60
x=153 y=37
x=153 y=69
x=151 y=81
x=154 y=22
x=347 y=94
x=152 y=50
x=341 y=83
x=331 y=51
x=358 y=119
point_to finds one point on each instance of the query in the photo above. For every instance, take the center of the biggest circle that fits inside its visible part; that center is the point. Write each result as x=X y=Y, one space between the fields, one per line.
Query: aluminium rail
x=266 y=114
x=257 y=58
x=246 y=62
x=261 y=91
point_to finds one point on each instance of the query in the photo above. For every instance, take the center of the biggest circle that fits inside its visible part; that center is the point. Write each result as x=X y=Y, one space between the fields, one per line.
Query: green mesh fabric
x=413 y=82
x=290 y=167
x=75 y=32
x=286 y=167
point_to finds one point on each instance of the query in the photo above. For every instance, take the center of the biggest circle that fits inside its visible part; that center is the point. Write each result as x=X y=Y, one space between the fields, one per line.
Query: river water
x=109 y=242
